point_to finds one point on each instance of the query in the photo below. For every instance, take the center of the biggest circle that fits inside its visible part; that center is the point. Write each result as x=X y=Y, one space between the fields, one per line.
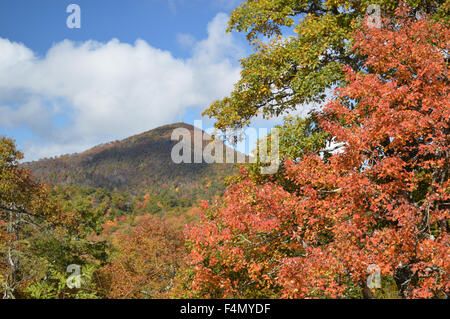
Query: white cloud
x=109 y=90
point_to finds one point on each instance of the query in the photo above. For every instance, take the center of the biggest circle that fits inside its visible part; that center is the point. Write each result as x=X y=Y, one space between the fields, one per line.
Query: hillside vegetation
x=137 y=162
x=359 y=207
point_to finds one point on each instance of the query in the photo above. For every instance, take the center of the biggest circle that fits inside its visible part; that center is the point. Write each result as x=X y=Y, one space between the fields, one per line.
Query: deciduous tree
x=383 y=199
x=300 y=48
x=146 y=260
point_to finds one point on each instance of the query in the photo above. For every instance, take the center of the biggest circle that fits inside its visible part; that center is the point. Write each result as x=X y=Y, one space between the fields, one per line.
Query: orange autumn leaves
x=241 y=240
x=383 y=200
x=146 y=259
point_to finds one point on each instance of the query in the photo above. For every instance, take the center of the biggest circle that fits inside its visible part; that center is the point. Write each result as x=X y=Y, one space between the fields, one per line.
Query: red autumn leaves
x=383 y=200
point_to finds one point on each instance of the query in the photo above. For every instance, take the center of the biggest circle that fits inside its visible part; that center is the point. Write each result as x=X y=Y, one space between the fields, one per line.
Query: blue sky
x=132 y=66
x=41 y=23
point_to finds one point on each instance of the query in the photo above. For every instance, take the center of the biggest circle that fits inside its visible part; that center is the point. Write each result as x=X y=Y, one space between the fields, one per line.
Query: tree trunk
x=10 y=259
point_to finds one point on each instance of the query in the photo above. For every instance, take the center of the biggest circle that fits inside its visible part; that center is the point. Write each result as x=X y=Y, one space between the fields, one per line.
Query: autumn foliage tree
x=23 y=204
x=382 y=200
x=41 y=234
x=145 y=261
x=300 y=47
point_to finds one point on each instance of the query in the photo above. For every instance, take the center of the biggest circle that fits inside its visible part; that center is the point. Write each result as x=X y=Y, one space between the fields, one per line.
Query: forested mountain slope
x=137 y=162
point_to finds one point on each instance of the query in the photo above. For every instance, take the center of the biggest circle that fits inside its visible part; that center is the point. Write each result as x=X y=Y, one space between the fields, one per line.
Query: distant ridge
x=127 y=165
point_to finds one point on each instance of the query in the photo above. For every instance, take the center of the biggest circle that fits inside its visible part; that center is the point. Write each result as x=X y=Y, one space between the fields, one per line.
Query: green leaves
x=54 y=286
x=297 y=137
x=300 y=48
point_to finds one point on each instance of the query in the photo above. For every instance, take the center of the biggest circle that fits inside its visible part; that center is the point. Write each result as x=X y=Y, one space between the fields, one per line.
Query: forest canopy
x=362 y=191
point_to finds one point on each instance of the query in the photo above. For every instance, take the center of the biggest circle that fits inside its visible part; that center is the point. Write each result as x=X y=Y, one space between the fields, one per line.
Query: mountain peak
x=128 y=164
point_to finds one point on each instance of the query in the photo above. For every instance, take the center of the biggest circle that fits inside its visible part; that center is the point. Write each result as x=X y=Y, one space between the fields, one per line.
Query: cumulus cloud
x=107 y=91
